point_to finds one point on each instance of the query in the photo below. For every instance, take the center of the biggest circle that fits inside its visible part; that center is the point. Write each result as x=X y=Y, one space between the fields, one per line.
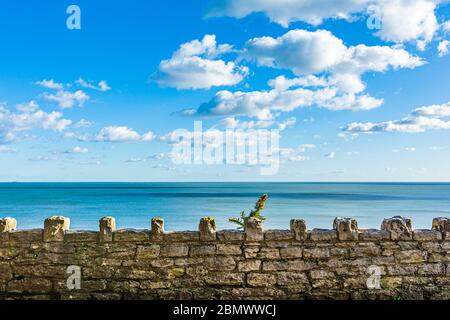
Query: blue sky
x=98 y=104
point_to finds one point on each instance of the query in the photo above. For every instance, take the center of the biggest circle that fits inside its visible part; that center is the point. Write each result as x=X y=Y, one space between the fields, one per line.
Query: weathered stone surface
x=26 y=236
x=202 y=250
x=181 y=236
x=298 y=228
x=253 y=230
x=147 y=252
x=131 y=235
x=280 y=266
x=207 y=228
x=225 y=278
x=81 y=236
x=107 y=226
x=278 y=235
x=55 y=227
x=228 y=249
x=374 y=235
x=261 y=279
x=8 y=225
x=347 y=228
x=249 y=265
x=443 y=225
x=323 y=235
x=427 y=235
x=174 y=251
x=411 y=256
x=290 y=265
x=400 y=228
x=230 y=235
x=316 y=253
x=156 y=229
x=291 y=252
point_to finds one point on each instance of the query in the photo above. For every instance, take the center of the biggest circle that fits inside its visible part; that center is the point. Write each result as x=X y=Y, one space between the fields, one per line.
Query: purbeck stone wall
x=342 y=263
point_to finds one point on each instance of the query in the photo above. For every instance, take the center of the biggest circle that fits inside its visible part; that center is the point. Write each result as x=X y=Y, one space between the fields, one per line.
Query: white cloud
x=28 y=107
x=78 y=150
x=419 y=120
x=402 y=20
x=266 y=105
x=83 y=123
x=122 y=134
x=50 y=84
x=286 y=11
x=288 y=123
x=6 y=149
x=13 y=124
x=66 y=99
x=410 y=149
x=443 y=47
x=437 y=148
x=408 y=20
x=101 y=86
x=194 y=66
x=305 y=52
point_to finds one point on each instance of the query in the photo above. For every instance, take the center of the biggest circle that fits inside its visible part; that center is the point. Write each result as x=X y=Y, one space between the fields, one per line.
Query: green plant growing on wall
x=255 y=213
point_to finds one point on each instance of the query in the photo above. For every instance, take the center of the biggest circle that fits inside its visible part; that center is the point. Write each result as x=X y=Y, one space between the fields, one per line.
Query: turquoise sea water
x=183 y=204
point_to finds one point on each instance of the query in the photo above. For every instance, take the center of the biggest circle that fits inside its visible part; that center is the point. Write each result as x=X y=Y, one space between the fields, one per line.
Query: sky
x=357 y=90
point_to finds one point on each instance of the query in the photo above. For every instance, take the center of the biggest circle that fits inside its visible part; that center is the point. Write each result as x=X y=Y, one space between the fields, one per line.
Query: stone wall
x=342 y=263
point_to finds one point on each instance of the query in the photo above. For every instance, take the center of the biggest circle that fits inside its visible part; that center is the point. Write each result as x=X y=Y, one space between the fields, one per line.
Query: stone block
x=180 y=236
x=8 y=225
x=298 y=228
x=323 y=235
x=374 y=235
x=261 y=279
x=253 y=230
x=443 y=225
x=157 y=229
x=55 y=227
x=207 y=228
x=130 y=235
x=107 y=227
x=230 y=235
x=347 y=228
x=400 y=228
x=427 y=235
x=278 y=235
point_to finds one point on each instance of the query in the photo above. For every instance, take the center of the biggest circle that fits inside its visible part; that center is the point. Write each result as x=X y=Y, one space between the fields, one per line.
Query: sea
x=183 y=204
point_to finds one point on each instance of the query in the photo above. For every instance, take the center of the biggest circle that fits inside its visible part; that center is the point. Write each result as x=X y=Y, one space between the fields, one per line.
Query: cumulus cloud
x=443 y=47
x=266 y=105
x=402 y=20
x=28 y=107
x=419 y=120
x=286 y=11
x=101 y=86
x=305 y=52
x=78 y=150
x=14 y=123
x=122 y=134
x=67 y=99
x=50 y=84
x=408 y=20
x=195 y=66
